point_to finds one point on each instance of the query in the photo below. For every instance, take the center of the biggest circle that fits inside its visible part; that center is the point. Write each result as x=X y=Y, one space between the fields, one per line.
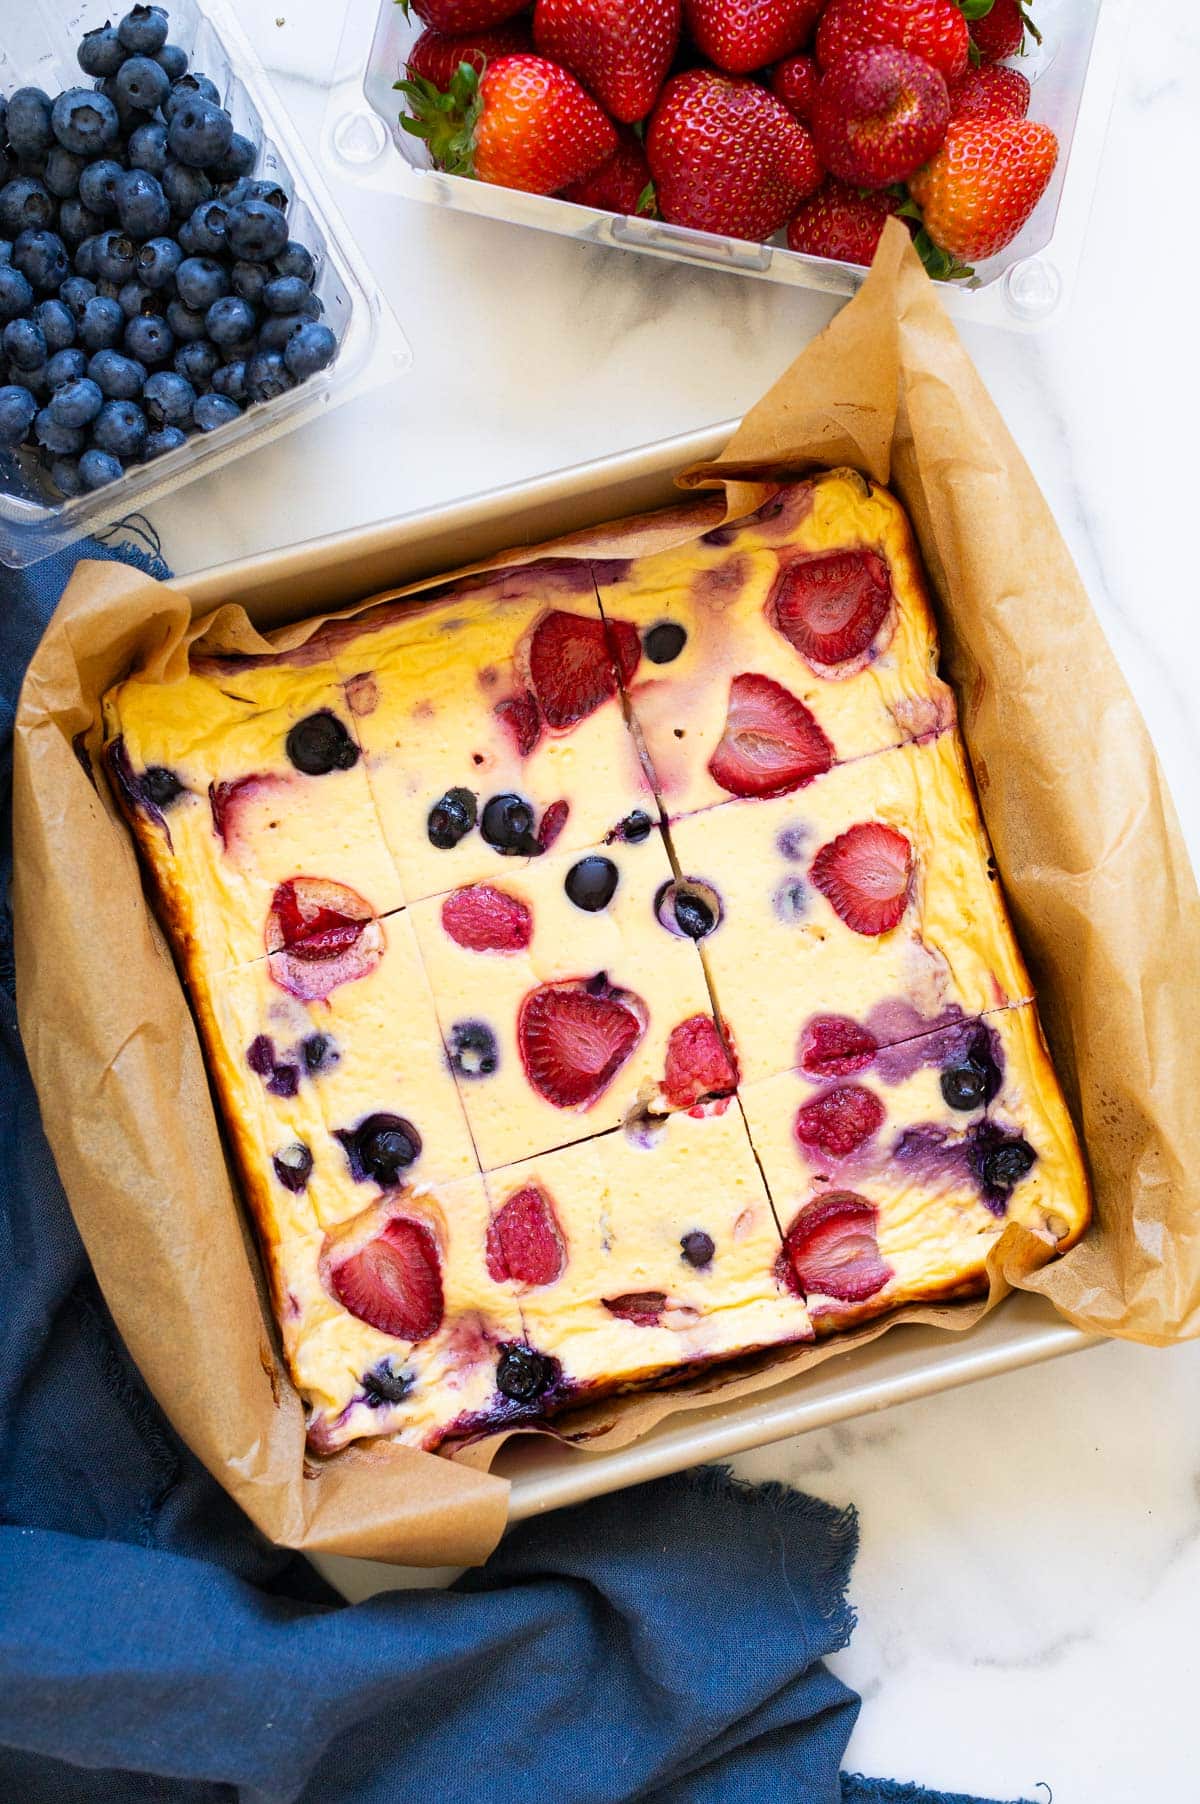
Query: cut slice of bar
x=892 y=1179
x=869 y=897
x=558 y=1014
x=228 y=802
x=643 y=1255
x=492 y=723
x=777 y=646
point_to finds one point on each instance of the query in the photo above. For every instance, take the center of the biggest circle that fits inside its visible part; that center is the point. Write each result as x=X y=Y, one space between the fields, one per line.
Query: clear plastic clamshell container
x=38 y=40
x=1073 y=71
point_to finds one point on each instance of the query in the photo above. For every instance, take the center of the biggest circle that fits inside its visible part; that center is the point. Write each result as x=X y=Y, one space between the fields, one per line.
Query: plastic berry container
x=38 y=48
x=1073 y=71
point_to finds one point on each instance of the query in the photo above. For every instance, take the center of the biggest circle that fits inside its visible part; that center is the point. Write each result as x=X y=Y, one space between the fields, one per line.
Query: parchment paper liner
x=1083 y=829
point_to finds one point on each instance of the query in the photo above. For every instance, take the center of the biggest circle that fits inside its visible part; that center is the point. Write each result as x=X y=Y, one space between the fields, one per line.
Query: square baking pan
x=911 y=1361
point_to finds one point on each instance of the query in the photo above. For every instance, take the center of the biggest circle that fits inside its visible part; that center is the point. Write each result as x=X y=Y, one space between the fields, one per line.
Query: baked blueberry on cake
x=601 y=969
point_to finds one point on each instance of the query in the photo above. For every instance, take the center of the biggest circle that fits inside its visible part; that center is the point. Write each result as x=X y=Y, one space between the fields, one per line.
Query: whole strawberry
x=741 y=35
x=726 y=156
x=794 y=81
x=879 y=114
x=465 y=15
x=621 y=49
x=621 y=185
x=524 y=123
x=436 y=55
x=839 y=221
x=1001 y=31
x=984 y=182
x=990 y=93
x=933 y=29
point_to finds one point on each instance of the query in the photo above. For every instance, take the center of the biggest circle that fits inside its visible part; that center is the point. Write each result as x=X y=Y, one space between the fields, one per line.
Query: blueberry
x=66 y=366
x=129 y=117
x=203 y=234
x=57 y=323
x=101 y=52
x=384 y=1384
x=310 y=349
x=664 y=642
x=635 y=827
x=120 y=427
x=64 y=474
x=174 y=60
x=451 y=819
x=16 y=296
x=230 y=321
x=508 y=825
x=199 y=131
x=29 y=131
x=75 y=224
x=63 y=170
x=197 y=362
x=187 y=323
x=41 y=257
x=98 y=468
x=230 y=380
x=118 y=377
x=319 y=1051
x=76 y=403
x=249 y=281
x=295 y=259
x=213 y=411
x=293 y=1166
x=697 y=1248
x=266 y=376
x=143 y=30
x=973 y=1079
x=189 y=87
x=116 y=256
x=256 y=230
x=168 y=399
x=25 y=203
x=1005 y=1163
x=143 y=83
x=285 y=294
x=101 y=323
x=199 y=281
x=380 y=1148
x=147 y=148
x=98 y=186
x=33 y=379
x=142 y=207
x=184 y=188
x=149 y=339
x=134 y=298
x=24 y=344
x=278 y=331
x=158 y=259
x=522 y=1374
x=85 y=122
x=52 y=435
x=162 y=440
x=5 y=253
x=257 y=188
x=17 y=411
x=591 y=883
x=687 y=907
x=472 y=1050
x=320 y=742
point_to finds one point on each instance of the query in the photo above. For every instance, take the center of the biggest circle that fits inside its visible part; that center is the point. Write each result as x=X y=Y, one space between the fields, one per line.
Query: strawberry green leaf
x=647 y=202
x=975 y=9
x=446 y=121
x=940 y=264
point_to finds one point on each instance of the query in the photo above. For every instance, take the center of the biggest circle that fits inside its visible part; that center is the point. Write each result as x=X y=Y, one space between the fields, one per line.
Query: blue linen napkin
x=665 y=1644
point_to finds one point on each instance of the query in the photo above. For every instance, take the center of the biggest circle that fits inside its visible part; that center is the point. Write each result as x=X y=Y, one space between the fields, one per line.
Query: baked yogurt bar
x=601 y=969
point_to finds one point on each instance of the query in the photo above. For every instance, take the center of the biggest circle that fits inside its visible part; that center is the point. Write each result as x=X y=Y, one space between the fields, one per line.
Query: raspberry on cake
x=891 y=1183
x=779 y=645
x=865 y=897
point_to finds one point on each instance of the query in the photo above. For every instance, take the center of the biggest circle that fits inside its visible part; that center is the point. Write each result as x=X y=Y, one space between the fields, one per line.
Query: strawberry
x=641 y=1307
x=553 y=822
x=1001 y=31
x=741 y=35
x=394 y=1282
x=622 y=185
x=839 y=1120
x=879 y=114
x=835 y=1046
x=575 y=1036
x=436 y=54
x=524 y=1240
x=794 y=81
x=697 y=1065
x=830 y=609
x=933 y=29
x=831 y=1249
x=990 y=93
x=572 y=668
x=524 y=123
x=840 y=221
x=728 y=157
x=320 y=934
x=771 y=744
x=522 y=717
x=983 y=184
x=620 y=49
x=457 y=16
x=484 y=919
x=865 y=875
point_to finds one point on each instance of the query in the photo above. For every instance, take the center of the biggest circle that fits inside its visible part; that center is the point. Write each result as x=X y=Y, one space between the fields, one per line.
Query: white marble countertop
x=1030 y=1563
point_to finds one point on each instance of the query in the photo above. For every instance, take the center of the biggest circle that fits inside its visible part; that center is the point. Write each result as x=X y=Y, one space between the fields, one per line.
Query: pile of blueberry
x=148 y=286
